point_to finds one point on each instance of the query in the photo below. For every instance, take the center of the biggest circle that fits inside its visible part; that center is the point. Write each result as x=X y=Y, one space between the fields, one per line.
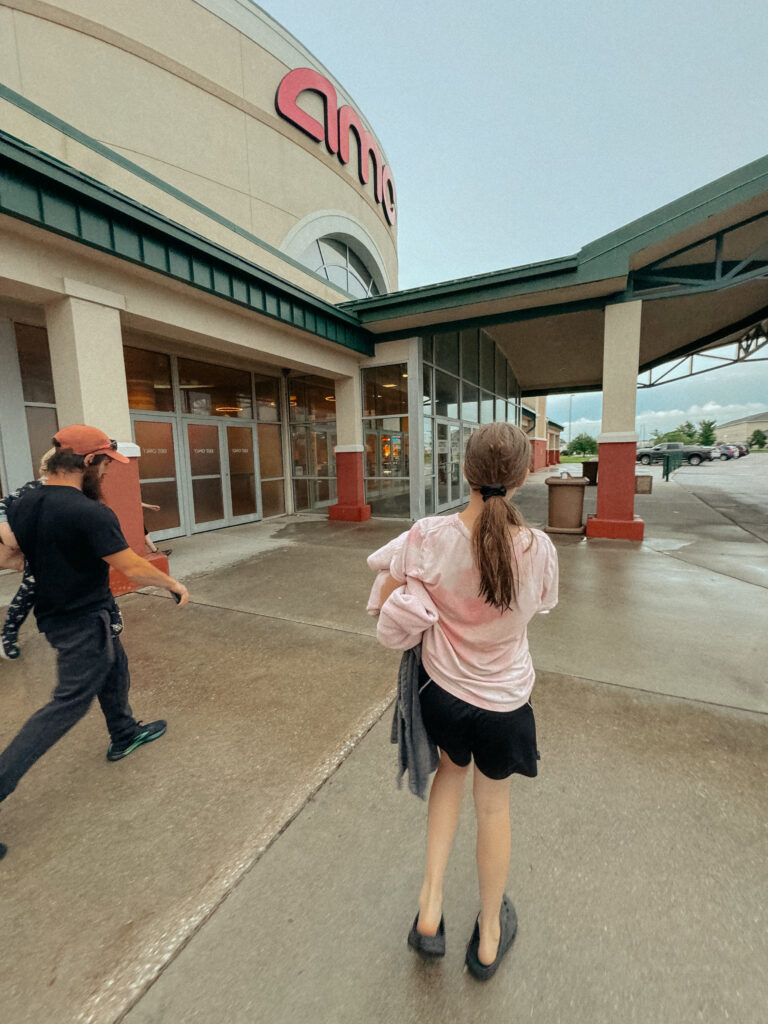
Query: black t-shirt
x=65 y=537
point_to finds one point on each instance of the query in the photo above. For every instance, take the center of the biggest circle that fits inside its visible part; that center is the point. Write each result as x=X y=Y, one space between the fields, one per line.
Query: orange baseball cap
x=88 y=441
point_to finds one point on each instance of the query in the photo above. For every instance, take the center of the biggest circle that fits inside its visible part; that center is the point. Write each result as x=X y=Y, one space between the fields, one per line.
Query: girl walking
x=485 y=573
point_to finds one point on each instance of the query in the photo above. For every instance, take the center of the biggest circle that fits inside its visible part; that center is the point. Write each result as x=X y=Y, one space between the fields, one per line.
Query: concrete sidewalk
x=639 y=858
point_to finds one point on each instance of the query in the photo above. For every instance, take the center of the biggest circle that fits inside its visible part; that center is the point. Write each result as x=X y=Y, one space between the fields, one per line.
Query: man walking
x=70 y=540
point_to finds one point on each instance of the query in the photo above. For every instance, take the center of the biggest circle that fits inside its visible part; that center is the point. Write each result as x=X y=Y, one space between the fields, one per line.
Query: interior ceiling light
x=330 y=398
x=229 y=408
x=389 y=385
x=405 y=375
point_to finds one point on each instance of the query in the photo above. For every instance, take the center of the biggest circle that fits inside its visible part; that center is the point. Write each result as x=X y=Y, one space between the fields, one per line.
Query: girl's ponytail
x=496 y=460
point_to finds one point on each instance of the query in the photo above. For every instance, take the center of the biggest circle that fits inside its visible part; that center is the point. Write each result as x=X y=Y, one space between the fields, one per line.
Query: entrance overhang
x=700 y=265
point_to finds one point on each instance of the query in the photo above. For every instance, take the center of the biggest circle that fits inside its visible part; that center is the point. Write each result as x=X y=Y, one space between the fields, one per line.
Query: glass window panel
x=157 y=451
x=270 y=450
x=212 y=390
x=165 y=494
x=148 y=375
x=300 y=451
x=356 y=286
x=501 y=410
x=203 y=450
x=385 y=390
x=446 y=395
x=371 y=452
x=429 y=497
x=311 y=398
x=486 y=407
x=428 y=454
x=428 y=348
x=470 y=409
x=312 y=257
x=338 y=275
x=207 y=497
x=243 y=492
x=272 y=498
x=388 y=497
x=470 y=365
x=240 y=450
x=42 y=424
x=333 y=250
x=301 y=495
x=267 y=398
x=501 y=373
x=447 y=351
x=321 y=454
x=35 y=365
x=393 y=449
x=487 y=362
x=427 y=391
x=513 y=388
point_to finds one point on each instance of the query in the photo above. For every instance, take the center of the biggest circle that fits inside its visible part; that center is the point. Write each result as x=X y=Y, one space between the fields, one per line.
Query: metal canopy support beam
x=745 y=348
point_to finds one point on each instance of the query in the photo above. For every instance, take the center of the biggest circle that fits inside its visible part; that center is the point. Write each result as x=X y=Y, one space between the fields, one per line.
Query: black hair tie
x=493 y=491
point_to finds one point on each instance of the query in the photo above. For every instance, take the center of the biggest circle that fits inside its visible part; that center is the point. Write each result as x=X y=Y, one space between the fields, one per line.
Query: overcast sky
x=520 y=130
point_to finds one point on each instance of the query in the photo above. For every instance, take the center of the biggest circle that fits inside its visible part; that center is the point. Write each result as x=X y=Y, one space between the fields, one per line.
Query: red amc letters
x=336 y=132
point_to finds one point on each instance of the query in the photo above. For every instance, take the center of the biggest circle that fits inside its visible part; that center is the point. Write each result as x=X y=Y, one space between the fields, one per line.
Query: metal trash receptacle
x=566 y=503
x=589 y=469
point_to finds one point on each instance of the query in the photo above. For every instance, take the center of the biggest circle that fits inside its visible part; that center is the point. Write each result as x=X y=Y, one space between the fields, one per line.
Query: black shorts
x=502 y=743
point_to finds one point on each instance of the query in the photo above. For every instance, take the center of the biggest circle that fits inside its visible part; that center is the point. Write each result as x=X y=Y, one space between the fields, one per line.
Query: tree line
x=688 y=433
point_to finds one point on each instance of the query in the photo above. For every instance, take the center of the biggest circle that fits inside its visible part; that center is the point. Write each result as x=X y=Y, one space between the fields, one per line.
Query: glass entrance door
x=206 y=475
x=243 y=492
x=158 y=474
x=222 y=474
x=448 y=464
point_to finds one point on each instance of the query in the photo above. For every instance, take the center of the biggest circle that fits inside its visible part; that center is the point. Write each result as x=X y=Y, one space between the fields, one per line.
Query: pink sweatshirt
x=472 y=650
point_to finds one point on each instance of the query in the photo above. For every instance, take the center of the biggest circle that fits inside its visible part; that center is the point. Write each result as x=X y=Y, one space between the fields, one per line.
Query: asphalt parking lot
x=736 y=488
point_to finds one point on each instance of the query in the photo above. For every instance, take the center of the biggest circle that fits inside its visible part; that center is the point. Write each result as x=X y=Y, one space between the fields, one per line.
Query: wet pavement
x=258 y=864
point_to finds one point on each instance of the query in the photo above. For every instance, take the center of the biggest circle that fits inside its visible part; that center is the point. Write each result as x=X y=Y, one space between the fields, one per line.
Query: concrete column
x=86 y=345
x=617 y=443
x=87 y=360
x=16 y=454
x=349 y=451
x=539 y=436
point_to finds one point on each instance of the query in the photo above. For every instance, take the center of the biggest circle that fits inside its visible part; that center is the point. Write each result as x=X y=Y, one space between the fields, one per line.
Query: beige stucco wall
x=741 y=431
x=187 y=94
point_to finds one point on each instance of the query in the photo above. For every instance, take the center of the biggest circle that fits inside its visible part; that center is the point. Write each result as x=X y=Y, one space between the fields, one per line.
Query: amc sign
x=339 y=122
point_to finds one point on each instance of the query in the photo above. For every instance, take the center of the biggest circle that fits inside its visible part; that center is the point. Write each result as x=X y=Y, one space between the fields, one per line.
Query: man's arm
x=139 y=570
x=7 y=538
x=11 y=558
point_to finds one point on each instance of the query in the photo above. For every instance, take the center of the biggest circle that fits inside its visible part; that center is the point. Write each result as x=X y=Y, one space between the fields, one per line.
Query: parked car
x=693 y=454
x=743 y=450
x=726 y=451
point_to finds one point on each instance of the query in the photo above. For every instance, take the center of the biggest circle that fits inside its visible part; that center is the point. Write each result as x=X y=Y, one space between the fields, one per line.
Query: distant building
x=739 y=431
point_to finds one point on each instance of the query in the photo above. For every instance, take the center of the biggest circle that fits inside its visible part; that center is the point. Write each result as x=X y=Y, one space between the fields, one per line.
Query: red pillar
x=350 y=486
x=616 y=494
x=123 y=495
x=538 y=454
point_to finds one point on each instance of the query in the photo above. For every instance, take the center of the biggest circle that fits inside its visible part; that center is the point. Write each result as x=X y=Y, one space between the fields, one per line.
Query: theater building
x=198 y=254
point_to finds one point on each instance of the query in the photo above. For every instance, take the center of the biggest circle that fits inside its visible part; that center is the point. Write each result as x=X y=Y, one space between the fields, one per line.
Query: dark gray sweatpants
x=91 y=663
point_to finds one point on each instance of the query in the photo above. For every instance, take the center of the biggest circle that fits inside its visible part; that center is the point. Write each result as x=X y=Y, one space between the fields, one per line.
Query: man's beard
x=92 y=483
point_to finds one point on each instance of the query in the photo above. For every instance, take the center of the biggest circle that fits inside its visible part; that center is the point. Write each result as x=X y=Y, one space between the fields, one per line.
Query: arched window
x=332 y=258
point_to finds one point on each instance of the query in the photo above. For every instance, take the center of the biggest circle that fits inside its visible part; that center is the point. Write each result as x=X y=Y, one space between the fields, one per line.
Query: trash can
x=566 y=503
x=590 y=472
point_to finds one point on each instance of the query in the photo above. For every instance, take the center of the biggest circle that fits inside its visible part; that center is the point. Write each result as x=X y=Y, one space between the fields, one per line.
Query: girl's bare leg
x=494 y=844
x=442 y=819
